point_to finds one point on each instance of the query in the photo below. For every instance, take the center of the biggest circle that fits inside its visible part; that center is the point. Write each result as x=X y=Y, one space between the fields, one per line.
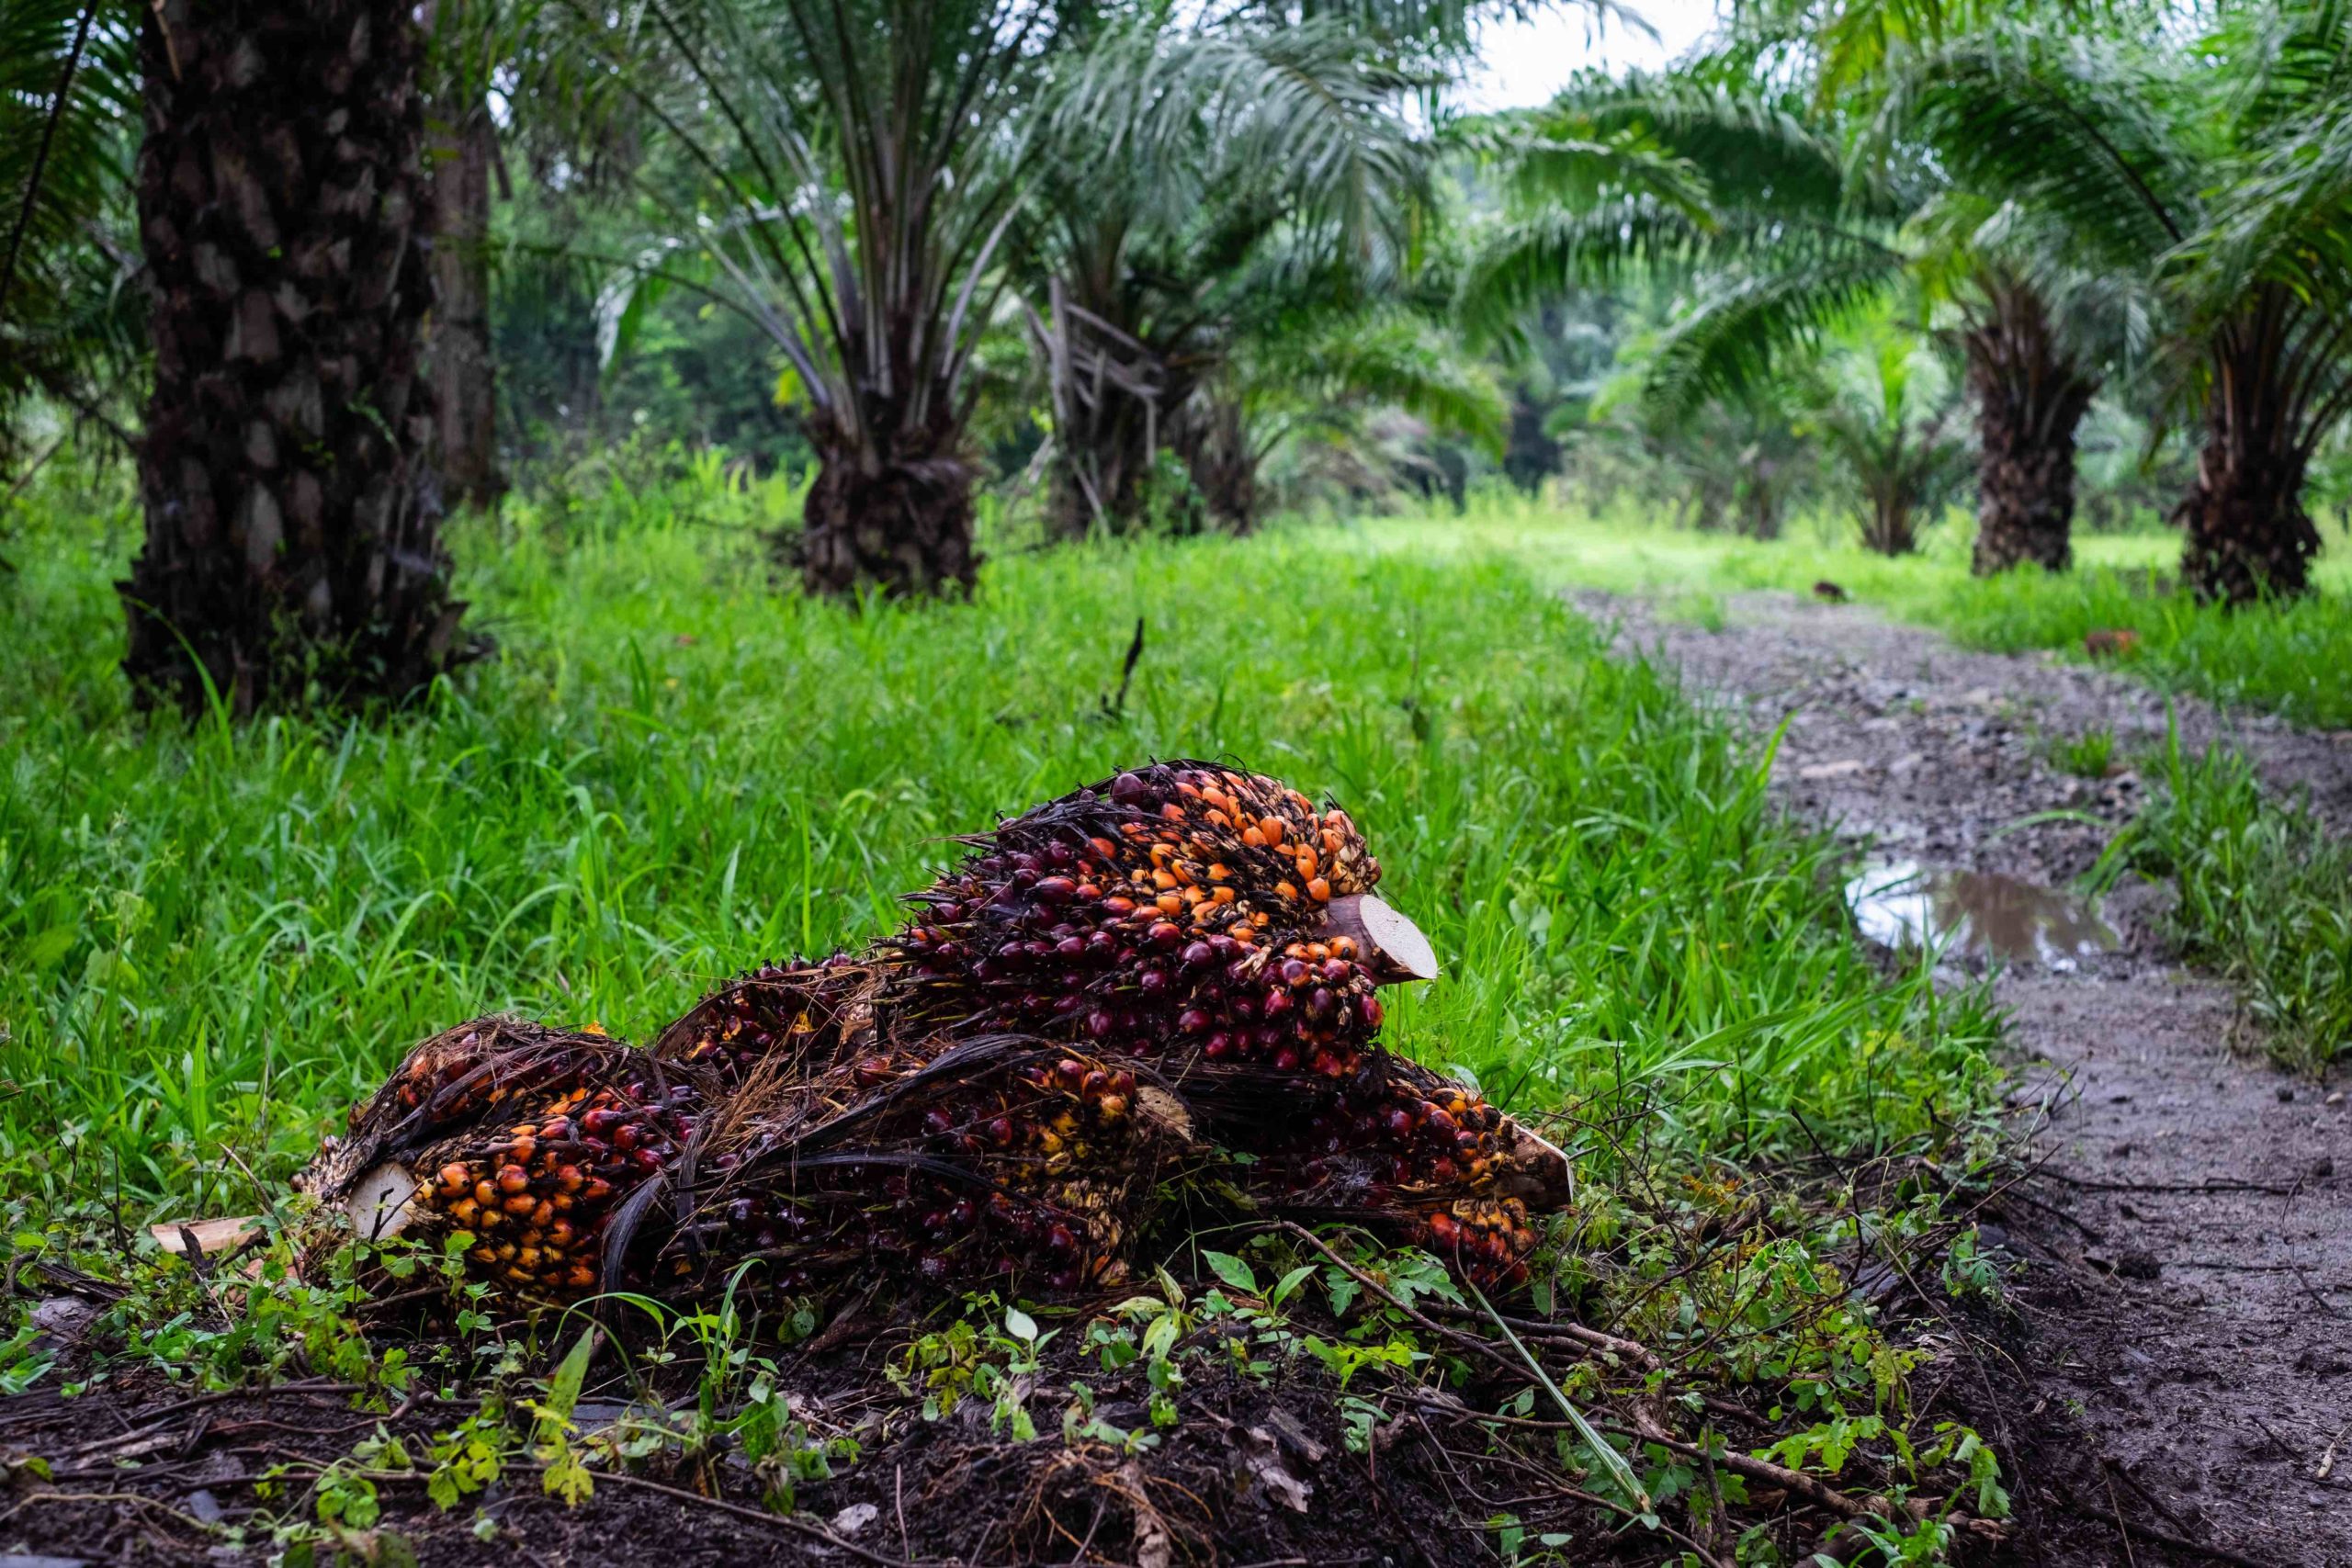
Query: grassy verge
x=2262 y=888
x=670 y=772
x=2287 y=658
x=2266 y=896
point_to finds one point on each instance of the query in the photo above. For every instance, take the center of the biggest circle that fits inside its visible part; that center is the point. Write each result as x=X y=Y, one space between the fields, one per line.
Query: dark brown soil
x=950 y=1492
x=1258 y=1472
x=2178 y=1363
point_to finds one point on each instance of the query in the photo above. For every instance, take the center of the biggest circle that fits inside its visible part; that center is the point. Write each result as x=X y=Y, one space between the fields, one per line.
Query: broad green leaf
x=1288 y=1284
x=1232 y=1271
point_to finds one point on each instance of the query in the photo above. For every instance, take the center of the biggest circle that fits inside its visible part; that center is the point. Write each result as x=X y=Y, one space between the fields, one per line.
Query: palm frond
x=2077 y=132
x=1742 y=335
x=1304 y=117
x=1523 y=263
x=1381 y=356
x=69 y=97
x=1759 y=153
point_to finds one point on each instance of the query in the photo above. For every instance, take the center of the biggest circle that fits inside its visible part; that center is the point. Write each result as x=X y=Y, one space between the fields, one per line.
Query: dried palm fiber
x=1112 y=995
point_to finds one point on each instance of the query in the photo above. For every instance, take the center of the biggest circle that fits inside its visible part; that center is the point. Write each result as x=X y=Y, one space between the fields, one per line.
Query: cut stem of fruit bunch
x=1154 y=995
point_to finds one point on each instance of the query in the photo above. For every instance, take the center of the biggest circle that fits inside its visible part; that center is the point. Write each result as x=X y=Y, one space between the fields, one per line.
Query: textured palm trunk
x=1215 y=443
x=1889 y=530
x=1101 y=485
x=2248 y=533
x=1760 y=499
x=1102 y=474
x=893 y=511
x=2031 y=397
x=291 y=546
x=1107 y=438
x=1112 y=395
x=465 y=383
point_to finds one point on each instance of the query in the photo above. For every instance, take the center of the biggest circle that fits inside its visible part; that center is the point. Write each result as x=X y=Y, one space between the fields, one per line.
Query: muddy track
x=2176 y=1364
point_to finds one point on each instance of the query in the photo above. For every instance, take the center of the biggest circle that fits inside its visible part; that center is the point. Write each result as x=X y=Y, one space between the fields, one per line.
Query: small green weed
x=990 y=1353
x=2090 y=755
x=2263 y=896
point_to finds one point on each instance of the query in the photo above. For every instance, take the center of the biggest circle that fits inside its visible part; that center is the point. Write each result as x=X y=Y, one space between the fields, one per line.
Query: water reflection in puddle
x=1976 y=913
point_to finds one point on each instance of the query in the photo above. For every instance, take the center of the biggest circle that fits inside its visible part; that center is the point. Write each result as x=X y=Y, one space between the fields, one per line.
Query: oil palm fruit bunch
x=952 y=1158
x=853 y=1134
x=1215 y=926
x=529 y=1138
x=1111 y=997
x=535 y=1141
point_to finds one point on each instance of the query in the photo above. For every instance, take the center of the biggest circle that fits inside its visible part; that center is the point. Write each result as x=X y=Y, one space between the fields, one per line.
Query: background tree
x=468 y=44
x=859 y=166
x=1882 y=404
x=292 y=542
x=1734 y=194
x=1786 y=223
x=1205 y=184
x=1320 y=376
x=2231 y=194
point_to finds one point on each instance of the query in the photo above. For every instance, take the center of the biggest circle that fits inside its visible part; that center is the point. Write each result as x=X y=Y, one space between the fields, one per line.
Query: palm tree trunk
x=2030 y=398
x=1760 y=499
x=1215 y=442
x=465 y=384
x=1889 y=531
x=2248 y=533
x=1106 y=440
x=893 y=510
x=292 y=546
x=1112 y=393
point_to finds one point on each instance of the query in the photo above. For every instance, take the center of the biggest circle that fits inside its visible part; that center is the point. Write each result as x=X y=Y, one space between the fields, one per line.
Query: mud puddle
x=1977 y=914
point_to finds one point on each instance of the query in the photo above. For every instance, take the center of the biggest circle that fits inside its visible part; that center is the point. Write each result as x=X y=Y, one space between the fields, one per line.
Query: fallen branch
x=2128 y=1528
x=2228 y=1186
x=1549 y=1328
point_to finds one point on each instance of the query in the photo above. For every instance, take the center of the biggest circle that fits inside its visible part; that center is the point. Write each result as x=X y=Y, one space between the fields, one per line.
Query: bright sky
x=1525 y=62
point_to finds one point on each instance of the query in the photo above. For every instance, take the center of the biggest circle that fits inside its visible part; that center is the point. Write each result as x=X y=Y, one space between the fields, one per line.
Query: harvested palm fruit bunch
x=854 y=1138
x=529 y=1138
x=1421 y=1158
x=534 y=1140
x=1178 y=913
x=781 y=1020
x=1114 y=994
x=952 y=1160
x=1214 y=924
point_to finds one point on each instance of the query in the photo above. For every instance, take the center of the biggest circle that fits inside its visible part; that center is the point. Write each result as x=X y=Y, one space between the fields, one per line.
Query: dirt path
x=2181 y=1358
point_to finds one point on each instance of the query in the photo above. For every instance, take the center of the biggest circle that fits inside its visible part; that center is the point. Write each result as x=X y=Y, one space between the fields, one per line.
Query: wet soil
x=2172 y=1370
x=1254 y=1474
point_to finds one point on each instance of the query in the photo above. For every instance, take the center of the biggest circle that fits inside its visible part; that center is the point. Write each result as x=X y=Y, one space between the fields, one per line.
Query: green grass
x=219 y=936
x=2266 y=896
x=2294 y=660
x=2090 y=755
x=2263 y=891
